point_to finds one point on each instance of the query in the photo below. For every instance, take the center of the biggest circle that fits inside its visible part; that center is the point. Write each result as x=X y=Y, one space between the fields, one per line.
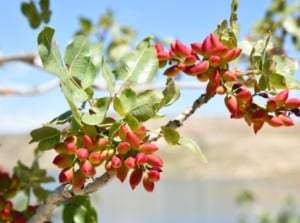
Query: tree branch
x=64 y=192
x=31 y=58
x=178 y=121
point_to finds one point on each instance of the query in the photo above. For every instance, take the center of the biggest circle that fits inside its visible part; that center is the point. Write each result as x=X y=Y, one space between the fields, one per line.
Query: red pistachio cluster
x=9 y=187
x=126 y=154
x=276 y=111
x=207 y=61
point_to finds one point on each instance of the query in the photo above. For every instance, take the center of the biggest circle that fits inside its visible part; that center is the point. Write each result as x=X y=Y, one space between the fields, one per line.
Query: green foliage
x=79 y=209
x=138 y=66
x=32 y=179
x=46 y=137
x=36 y=14
x=192 y=146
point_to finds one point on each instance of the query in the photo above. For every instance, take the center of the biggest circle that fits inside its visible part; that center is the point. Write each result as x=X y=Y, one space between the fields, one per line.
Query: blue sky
x=189 y=21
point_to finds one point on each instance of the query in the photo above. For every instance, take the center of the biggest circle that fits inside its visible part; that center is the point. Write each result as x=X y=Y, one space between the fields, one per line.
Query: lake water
x=199 y=201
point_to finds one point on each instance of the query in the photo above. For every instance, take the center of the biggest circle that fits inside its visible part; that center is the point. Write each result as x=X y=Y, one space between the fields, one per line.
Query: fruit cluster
x=276 y=112
x=127 y=153
x=9 y=187
x=208 y=61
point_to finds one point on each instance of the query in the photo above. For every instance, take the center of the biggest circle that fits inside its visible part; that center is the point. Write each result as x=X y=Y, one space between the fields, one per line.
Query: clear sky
x=189 y=21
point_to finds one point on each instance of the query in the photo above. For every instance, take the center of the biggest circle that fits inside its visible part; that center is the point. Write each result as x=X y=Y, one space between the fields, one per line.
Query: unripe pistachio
x=87 y=168
x=171 y=71
x=116 y=162
x=133 y=140
x=198 y=68
x=71 y=139
x=148 y=184
x=101 y=143
x=82 y=154
x=135 y=177
x=130 y=162
x=123 y=132
x=197 y=48
x=180 y=49
x=154 y=175
x=214 y=61
x=78 y=180
x=141 y=132
x=63 y=160
x=66 y=175
x=229 y=76
x=190 y=60
x=148 y=147
x=123 y=147
x=60 y=147
x=287 y=121
x=231 y=104
x=274 y=121
x=292 y=103
x=88 y=142
x=141 y=158
x=96 y=158
x=70 y=148
x=163 y=56
x=271 y=105
x=244 y=95
x=154 y=160
x=122 y=173
x=281 y=97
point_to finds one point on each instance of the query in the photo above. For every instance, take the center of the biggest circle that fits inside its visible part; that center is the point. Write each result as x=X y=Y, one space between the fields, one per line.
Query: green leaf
x=79 y=209
x=86 y=25
x=132 y=121
x=52 y=62
x=138 y=66
x=108 y=77
x=77 y=59
x=171 y=93
x=62 y=119
x=46 y=137
x=142 y=105
x=143 y=112
x=193 y=146
x=171 y=136
x=30 y=11
x=98 y=112
x=287 y=67
x=118 y=106
x=46 y=12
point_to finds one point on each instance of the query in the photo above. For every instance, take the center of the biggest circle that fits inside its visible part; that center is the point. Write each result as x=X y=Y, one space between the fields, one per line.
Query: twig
x=64 y=192
x=30 y=91
x=178 y=121
x=31 y=58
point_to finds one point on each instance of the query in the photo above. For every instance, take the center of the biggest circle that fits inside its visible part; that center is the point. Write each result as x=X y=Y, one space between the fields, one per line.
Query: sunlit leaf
x=193 y=146
x=287 y=67
x=78 y=61
x=171 y=136
x=108 y=76
x=138 y=66
x=98 y=113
